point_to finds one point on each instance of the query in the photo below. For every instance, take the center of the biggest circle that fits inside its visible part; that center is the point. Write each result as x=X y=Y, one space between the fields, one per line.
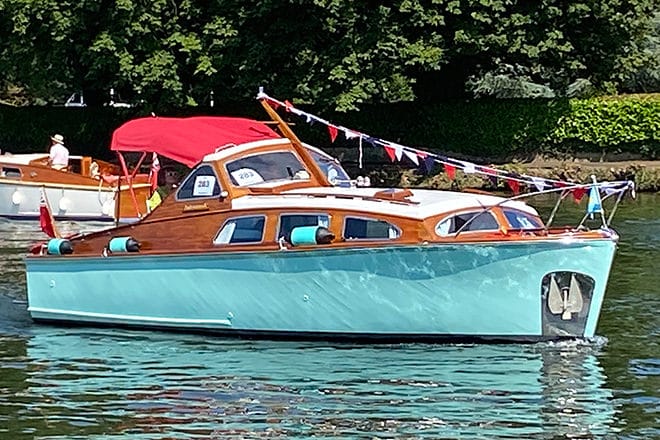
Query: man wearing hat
x=59 y=154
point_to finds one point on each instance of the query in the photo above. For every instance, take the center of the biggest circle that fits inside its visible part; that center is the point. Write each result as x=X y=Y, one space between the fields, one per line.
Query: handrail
x=628 y=185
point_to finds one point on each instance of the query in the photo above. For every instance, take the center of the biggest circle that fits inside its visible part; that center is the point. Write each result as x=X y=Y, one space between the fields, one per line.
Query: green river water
x=84 y=383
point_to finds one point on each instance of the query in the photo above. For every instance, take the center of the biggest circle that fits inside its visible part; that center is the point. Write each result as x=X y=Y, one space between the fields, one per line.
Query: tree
x=336 y=53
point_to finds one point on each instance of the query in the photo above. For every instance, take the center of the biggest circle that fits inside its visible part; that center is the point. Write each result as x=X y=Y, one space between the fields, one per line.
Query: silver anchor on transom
x=565 y=301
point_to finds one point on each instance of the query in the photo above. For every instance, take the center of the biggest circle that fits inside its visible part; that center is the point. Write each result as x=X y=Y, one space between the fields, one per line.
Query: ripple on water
x=136 y=383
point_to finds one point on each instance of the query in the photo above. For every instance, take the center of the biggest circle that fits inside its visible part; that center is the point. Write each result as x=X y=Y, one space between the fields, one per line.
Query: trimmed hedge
x=610 y=125
x=480 y=130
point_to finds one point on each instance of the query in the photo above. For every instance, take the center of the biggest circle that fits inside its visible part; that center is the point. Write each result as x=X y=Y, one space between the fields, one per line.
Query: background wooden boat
x=87 y=190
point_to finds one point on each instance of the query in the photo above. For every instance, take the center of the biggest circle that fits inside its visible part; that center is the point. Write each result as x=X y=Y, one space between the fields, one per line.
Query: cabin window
x=201 y=183
x=10 y=173
x=522 y=220
x=482 y=221
x=266 y=167
x=241 y=230
x=364 y=228
x=330 y=166
x=75 y=165
x=290 y=221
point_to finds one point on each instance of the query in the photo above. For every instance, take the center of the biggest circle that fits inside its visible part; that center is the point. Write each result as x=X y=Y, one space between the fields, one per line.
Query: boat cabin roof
x=269 y=174
x=28 y=158
x=21 y=159
x=420 y=204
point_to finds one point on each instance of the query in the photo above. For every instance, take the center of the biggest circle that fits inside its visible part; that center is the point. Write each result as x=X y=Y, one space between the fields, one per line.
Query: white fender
x=108 y=207
x=17 y=197
x=64 y=204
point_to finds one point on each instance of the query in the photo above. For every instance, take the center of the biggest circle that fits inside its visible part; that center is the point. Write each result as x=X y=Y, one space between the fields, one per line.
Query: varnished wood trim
x=194 y=208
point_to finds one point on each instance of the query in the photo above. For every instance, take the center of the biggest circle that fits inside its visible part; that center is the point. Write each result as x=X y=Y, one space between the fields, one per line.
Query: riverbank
x=645 y=174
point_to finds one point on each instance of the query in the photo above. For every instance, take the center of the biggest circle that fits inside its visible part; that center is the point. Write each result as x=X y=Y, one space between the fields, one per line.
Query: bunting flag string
x=395 y=151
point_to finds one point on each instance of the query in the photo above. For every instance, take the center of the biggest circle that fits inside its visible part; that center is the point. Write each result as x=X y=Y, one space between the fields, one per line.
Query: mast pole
x=297 y=144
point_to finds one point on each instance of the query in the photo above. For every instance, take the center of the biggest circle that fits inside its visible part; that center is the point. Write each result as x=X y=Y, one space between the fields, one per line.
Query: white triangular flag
x=412 y=156
x=538 y=183
x=398 y=150
x=468 y=167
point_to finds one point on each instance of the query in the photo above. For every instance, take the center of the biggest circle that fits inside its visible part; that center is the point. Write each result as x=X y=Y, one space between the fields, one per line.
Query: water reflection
x=94 y=382
x=16 y=238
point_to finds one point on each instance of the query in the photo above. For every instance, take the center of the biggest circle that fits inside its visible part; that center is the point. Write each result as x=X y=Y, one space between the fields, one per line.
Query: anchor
x=567 y=300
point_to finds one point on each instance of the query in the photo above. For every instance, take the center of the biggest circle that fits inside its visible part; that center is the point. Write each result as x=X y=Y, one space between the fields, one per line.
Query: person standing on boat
x=59 y=154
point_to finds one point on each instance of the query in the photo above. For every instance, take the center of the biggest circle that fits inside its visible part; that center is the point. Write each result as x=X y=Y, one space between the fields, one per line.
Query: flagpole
x=600 y=201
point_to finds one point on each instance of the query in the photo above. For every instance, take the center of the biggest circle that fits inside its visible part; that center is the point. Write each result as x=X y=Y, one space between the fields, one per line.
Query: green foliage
x=337 y=54
x=483 y=130
x=644 y=63
x=629 y=123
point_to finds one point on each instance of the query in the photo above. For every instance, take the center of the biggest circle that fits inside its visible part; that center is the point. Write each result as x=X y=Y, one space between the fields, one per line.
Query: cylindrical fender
x=306 y=235
x=59 y=246
x=123 y=244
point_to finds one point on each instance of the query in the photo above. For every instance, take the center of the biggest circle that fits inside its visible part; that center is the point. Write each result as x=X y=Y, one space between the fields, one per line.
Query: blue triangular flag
x=594 y=204
x=429 y=163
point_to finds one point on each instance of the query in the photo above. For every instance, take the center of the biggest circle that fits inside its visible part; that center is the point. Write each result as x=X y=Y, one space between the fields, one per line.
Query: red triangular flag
x=45 y=218
x=492 y=174
x=514 y=185
x=45 y=221
x=578 y=193
x=451 y=171
x=273 y=104
x=390 y=152
x=333 y=132
x=153 y=172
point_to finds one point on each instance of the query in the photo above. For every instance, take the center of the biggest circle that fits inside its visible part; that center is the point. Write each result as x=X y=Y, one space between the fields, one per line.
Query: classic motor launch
x=259 y=240
x=89 y=189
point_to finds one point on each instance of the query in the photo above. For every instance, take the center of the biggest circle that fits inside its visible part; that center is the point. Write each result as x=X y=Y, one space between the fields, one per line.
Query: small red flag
x=390 y=152
x=333 y=132
x=578 y=193
x=274 y=105
x=46 y=218
x=451 y=171
x=514 y=185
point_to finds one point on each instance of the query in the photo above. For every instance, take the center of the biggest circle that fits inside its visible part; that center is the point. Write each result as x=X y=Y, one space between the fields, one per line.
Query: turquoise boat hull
x=490 y=291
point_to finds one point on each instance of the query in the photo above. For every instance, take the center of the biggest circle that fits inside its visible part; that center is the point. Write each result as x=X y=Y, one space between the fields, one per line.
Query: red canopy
x=187 y=140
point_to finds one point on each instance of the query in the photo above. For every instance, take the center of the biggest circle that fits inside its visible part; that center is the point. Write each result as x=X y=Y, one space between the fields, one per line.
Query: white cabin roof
x=429 y=202
x=21 y=159
x=227 y=151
